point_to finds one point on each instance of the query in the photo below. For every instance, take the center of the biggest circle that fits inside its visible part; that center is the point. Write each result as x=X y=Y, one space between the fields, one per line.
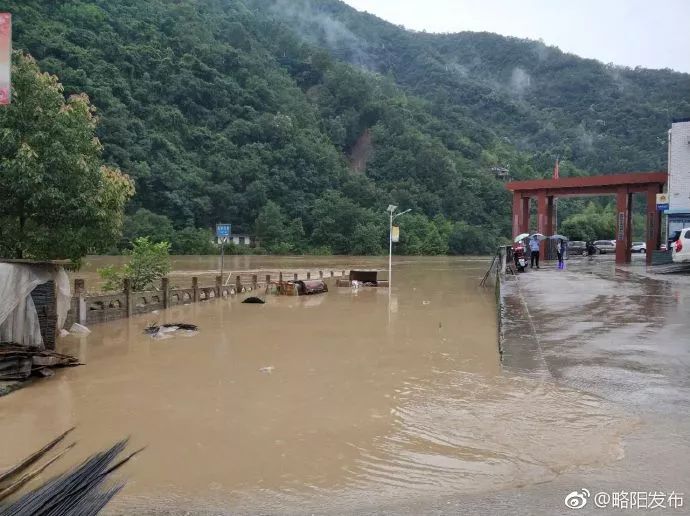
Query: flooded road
x=344 y=400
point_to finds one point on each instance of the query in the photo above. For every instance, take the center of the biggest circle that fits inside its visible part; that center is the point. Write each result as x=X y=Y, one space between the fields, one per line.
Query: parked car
x=605 y=246
x=681 y=247
x=672 y=238
x=639 y=247
x=577 y=247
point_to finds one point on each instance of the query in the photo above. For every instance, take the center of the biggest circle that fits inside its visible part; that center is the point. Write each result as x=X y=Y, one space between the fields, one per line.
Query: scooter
x=519 y=257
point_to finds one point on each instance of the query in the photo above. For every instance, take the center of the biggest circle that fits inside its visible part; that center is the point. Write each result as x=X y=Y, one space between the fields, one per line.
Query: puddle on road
x=304 y=401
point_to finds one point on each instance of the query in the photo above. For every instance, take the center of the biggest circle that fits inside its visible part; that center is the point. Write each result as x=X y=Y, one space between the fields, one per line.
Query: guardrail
x=88 y=308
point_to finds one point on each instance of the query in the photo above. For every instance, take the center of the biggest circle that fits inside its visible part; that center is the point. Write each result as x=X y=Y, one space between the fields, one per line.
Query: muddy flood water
x=352 y=399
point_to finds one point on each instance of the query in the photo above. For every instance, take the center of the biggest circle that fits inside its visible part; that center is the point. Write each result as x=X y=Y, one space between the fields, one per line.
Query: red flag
x=5 y=56
x=555 y=170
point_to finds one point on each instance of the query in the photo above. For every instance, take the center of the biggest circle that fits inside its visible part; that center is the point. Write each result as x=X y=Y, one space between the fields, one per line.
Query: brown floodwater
x=352 y=398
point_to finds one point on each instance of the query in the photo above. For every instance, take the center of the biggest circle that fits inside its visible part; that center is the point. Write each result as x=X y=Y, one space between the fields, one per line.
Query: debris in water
x=168 y=330
x=254 y=300
x=267 y=369
x=426 y=302
x=19 y=362
x=64 y=333
x=80 y=329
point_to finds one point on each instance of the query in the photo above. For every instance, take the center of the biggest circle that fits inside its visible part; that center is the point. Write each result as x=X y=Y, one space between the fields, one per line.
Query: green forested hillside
x=604 y=118
x=300 y=121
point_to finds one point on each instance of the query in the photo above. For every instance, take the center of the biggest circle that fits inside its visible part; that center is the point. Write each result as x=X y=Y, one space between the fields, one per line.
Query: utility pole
x=391 y=211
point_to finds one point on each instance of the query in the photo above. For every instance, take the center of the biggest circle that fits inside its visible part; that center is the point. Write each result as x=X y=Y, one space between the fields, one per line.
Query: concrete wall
x=679 y=167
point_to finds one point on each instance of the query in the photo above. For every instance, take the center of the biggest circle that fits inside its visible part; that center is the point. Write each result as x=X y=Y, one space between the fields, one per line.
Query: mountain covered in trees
x=301 y=120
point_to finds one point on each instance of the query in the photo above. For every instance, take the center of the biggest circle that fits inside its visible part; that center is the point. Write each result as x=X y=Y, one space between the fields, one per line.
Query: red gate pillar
x=524 y=218
x=517 y=205
x=544 y=219
x=653 y=222
x=623 y=225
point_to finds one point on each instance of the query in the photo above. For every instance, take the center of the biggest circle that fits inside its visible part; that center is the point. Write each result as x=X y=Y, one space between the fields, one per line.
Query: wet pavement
x=357 y=402
x=622 y=334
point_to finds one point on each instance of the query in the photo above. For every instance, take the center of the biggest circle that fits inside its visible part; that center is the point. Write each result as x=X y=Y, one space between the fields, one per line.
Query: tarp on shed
x=18 y=317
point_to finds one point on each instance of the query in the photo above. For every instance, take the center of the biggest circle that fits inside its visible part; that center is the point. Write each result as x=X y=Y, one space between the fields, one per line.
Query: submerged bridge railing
x=89 y=308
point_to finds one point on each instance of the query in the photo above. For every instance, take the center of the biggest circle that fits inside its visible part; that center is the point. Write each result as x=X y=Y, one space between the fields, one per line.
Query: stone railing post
x=295 y=276
x=165 y=288
x=195 y=287
x=80 y=295
x=320 y=274
x=280 y=277
x=255 y=281
x=129 y=297
x=308 y=274
x=268 y=279
x=219 y=286
x=238 y=284
x=332 y=274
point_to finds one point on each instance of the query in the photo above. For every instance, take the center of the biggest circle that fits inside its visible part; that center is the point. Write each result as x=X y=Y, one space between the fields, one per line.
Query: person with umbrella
x=534 y=248
x=560 y=248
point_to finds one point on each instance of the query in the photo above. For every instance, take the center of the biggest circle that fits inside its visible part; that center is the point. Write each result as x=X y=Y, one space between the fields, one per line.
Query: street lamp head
x=391 y=208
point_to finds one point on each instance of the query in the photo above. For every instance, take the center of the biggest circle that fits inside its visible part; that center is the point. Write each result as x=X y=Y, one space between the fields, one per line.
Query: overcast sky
x=649 y=33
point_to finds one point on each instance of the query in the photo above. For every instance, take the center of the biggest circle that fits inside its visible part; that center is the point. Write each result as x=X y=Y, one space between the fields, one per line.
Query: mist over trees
x=300 y=121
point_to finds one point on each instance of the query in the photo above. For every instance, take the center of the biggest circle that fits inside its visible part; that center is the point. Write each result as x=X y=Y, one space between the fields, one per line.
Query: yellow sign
x=662 y=198
x=395 y=233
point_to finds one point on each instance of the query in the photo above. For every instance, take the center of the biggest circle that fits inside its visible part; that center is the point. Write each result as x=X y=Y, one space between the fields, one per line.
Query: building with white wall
x=679 y=175
x=239 y=239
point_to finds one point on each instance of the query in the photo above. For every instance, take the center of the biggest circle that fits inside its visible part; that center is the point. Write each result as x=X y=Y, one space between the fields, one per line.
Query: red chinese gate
x=622 y=185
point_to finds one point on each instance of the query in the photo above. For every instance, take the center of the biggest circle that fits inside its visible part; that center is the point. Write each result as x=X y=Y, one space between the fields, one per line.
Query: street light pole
x=391 y=210
x=390 y=251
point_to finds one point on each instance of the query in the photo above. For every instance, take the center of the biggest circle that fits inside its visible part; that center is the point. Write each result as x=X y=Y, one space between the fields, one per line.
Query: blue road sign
x=662 y=207
x=223 y=230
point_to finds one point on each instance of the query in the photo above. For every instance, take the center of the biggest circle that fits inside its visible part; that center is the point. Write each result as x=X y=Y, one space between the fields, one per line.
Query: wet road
x=623 y=335
x=351 y=402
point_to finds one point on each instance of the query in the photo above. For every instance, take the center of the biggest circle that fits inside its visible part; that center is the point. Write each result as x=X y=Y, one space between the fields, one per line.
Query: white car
x=639 y=247
x=681 y=247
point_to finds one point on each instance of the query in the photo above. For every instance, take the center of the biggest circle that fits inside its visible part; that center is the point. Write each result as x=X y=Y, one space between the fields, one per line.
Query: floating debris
x=79 y=329
x=169 y=330
x=19 y=362
x=267 y=369
x=254 y=300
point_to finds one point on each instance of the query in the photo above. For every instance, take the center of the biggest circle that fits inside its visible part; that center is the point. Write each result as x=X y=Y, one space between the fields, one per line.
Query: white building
x=679 y=175
x=238 y=240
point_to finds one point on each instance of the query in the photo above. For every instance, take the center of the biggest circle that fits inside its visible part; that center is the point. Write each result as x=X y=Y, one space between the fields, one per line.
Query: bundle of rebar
x=83 y=490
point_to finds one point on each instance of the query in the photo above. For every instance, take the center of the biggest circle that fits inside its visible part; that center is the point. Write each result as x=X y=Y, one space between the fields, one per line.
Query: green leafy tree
x=149 y=263
x=145 y=223
x=368 y=239
x=594 y=223
x=193 y=241
x=466 y=239
x=270 y=227
x=57 y=198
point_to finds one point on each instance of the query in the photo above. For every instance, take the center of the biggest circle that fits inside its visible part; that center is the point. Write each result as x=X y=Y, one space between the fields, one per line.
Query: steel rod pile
x=83 y=490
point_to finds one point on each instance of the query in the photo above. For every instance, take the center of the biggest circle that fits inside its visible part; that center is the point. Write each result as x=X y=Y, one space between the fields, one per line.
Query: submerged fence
x=88 y=308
